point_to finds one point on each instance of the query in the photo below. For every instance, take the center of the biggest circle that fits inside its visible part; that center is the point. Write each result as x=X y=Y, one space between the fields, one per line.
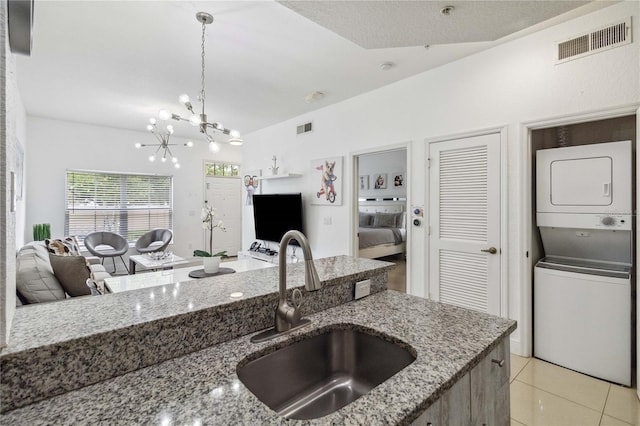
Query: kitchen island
x=202 y=387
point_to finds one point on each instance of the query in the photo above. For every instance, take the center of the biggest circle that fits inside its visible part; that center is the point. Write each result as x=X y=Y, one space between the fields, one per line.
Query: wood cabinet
x=480 y=397
x=490 y=388
x=453 y=408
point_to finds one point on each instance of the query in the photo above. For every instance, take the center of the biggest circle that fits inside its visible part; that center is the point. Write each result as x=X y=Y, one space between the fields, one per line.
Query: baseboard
x=516 y=347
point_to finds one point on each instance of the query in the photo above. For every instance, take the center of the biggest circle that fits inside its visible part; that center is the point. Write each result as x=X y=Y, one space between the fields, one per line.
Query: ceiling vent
x=604 y=38
x=304 y=128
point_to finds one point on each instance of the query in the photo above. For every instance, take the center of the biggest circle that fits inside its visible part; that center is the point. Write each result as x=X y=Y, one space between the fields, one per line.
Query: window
x=127 y=204
x=222 y=169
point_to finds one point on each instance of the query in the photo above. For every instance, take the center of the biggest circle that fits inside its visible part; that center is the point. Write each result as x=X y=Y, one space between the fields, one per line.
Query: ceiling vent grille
x=304 y=128
x=604 y=38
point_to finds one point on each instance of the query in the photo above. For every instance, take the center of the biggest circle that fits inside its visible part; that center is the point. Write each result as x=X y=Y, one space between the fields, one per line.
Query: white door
x=225 y=194
x=464 y=223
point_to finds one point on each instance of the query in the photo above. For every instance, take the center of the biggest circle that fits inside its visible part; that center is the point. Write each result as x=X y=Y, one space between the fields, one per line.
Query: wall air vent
x=304 y=128
x=604 y=38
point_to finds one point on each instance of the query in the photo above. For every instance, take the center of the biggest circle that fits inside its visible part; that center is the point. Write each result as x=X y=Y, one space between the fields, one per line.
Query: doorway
x=223 y=191
x=581 y=135
x=535 y=133
x=381 y=203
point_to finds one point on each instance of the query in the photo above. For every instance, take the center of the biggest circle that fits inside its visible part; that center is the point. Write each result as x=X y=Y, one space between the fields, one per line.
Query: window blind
x=127 y=204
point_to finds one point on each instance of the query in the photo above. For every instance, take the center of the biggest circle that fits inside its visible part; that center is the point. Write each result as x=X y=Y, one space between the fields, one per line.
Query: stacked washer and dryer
x=582 y=287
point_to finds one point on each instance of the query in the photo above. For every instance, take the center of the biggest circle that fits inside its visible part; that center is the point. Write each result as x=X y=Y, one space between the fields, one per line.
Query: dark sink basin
x=319 y=375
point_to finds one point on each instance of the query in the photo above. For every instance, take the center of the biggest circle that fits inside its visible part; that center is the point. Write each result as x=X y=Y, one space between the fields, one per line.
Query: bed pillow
x=401 y=220
x=384 y=220
x=63 y=247
x=72 y=273
x=365 y=219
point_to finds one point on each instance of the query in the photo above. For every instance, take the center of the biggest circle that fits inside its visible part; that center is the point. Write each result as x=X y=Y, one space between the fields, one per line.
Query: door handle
x=490 y=250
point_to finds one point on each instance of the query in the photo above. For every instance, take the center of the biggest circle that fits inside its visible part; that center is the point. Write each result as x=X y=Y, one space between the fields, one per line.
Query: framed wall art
x=397 y=180
x=19 y=170
x=326 y=181
x=364 y=182
x=251 y=183
x=380 y=181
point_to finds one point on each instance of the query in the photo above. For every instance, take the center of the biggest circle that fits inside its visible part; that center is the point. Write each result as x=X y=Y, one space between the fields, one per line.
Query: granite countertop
x=203 y=388
x=59 y=347
x=49 y=324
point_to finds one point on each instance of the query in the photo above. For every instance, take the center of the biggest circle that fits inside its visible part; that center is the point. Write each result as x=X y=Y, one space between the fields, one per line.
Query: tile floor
x=545 y=394
x=398 y=275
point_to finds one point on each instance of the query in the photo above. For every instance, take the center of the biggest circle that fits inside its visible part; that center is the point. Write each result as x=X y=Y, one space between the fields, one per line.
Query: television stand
x=265 y=257
x=273 y=258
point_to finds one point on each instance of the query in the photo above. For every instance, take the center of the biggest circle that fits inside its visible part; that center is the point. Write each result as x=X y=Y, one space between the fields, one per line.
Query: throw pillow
x=63 y=247
x=72 y=273
x=365 y=219
x=384 y=220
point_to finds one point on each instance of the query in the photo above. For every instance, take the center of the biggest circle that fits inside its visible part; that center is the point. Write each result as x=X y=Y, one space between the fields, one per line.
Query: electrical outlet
x=363 y=289
x=327 y=220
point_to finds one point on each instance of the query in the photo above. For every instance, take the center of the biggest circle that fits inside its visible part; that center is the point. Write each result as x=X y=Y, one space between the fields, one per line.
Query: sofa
x=36 y=281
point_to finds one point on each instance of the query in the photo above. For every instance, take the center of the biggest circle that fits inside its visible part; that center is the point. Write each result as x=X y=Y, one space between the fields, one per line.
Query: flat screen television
x=275 y=214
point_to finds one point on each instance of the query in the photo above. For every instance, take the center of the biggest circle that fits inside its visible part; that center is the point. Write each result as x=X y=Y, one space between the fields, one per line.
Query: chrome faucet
x=288 y=317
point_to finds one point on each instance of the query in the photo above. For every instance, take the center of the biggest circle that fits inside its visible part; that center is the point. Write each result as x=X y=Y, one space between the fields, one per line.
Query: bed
x=381 y=230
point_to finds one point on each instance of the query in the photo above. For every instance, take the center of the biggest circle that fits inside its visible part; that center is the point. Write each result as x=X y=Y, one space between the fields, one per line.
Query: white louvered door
x=464 y=211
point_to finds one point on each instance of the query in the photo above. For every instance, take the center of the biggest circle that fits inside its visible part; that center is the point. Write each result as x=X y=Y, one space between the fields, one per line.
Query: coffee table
x=117 y=284
x=149 y=262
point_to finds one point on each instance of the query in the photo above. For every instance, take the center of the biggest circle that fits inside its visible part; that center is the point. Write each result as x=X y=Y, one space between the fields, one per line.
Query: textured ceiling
x=116 y=63
x=385 y=24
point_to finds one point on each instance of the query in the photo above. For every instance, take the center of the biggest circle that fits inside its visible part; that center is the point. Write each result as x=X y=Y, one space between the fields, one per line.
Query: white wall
x=508 y=85
x=55 y=146
x=12 y=130
x=390 y=163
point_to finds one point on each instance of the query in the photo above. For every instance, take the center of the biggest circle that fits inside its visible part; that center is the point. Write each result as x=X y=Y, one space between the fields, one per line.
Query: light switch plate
x=363 y=289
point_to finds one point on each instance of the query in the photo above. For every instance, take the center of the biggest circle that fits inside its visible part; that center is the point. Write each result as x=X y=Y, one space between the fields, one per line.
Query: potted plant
x=41 y=231
x=210 y=260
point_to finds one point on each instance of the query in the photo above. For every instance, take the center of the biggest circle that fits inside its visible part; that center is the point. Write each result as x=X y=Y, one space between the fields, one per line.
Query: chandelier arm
x=158 y=137
x=202 y=91
x=224 y=131
x=178 y=117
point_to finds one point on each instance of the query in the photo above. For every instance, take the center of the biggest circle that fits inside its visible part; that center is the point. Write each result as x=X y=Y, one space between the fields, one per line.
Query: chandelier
x=201 y=120
x=163 y=143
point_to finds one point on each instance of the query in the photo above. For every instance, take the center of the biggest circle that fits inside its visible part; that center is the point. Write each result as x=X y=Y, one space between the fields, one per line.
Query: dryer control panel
x=605 y=221
x=613 y=221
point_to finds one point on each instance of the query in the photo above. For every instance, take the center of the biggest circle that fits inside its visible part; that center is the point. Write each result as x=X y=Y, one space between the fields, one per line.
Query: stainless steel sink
x=319 y=375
